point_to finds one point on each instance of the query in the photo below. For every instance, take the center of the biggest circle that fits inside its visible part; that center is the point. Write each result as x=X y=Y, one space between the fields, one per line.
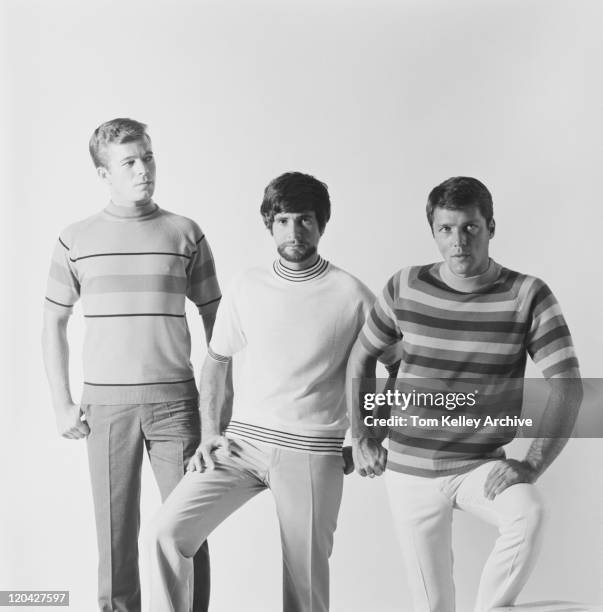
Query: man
x=466 y=323
x=133 y=264
x=291 y=326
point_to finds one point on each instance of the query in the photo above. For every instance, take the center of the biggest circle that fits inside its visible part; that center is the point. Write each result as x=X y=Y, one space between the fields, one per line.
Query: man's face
x=463 y=237
x=129 y=172
x=296 y=235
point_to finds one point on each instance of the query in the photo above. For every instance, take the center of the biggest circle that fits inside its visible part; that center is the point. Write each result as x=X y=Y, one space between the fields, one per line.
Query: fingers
x=498 y=486
x=75 y=433
x=501 y=477
x=207 y=458
x=492 y=476
x=82 y=425
x=83 y=428
x=370 y=460
x=195 y=463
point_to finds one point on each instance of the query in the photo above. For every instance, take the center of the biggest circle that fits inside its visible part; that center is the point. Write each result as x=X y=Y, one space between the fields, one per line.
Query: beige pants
x=422 y=510
x=307 y=491
x=118 y=437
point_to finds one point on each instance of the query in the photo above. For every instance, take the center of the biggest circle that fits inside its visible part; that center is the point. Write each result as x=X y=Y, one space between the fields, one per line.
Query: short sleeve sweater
x=133 y=269
x=481 y=338
x=292 y=332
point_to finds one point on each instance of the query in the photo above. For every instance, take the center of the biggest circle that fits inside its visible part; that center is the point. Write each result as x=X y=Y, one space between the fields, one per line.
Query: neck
x=129 y=204
x=469 y=284
x=132 y=210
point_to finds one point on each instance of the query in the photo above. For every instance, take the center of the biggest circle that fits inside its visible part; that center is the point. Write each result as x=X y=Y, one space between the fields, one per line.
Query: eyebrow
x=135 y=156
x=307 y=213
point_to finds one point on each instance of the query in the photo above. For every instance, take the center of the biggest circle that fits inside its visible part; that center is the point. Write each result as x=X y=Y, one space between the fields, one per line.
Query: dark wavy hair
x=460 y=192
x=296 y=192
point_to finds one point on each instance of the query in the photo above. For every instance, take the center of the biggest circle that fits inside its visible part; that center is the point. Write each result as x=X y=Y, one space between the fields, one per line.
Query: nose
x=460 y=238
x=295 y=230
x=142 y=167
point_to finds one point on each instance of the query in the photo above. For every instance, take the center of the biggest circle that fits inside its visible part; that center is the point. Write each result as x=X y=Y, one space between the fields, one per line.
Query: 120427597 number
x=34 y=598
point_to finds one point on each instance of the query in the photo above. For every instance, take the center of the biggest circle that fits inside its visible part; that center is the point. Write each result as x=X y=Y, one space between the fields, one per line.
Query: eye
x=148 y=158
x=445 y=228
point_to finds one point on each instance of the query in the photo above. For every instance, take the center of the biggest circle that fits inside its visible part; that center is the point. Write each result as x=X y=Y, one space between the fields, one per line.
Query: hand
x=69 y=422
x=348 y=460
x=369 y=457
x=202 y=459
x=506 y=473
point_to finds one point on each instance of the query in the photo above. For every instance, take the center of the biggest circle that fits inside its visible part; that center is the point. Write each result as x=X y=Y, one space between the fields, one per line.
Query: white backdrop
x=381 y=100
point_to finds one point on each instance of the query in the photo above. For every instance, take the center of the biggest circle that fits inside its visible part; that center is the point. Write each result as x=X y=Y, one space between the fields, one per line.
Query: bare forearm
x=214 y=376
x=209 y=318
x=55 y=351
x=557 y=423
x=360 y=370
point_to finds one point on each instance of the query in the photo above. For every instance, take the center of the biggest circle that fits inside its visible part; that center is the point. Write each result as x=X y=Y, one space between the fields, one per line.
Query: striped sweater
x=472 y=342
x=133 y=269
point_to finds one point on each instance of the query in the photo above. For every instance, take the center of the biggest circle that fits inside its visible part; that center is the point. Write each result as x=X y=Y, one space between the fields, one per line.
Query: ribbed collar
x=300 y=276
x=470 y=284
x=131 y=213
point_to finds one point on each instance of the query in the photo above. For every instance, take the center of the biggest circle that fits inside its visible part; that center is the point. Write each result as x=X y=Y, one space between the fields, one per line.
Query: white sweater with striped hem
x=292 y=333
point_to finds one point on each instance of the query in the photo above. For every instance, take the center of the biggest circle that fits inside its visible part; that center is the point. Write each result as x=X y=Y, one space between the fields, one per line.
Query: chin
x=460 y=270
x=295 y=256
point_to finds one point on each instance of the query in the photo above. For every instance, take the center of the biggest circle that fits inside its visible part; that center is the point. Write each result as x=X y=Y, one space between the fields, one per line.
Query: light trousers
x=422 y=509
x=307 y=492
x=118 y=436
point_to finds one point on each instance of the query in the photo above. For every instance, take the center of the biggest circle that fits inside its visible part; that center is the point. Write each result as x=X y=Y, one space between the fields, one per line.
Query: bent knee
x=161 y=533
x=530 y=513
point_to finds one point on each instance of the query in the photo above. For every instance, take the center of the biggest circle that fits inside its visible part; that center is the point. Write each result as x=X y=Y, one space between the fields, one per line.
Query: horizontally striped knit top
x=481 y=337
x=133 y=268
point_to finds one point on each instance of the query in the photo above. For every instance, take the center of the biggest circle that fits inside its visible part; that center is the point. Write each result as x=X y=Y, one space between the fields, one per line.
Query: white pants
x=307 y=491
x=422 y=509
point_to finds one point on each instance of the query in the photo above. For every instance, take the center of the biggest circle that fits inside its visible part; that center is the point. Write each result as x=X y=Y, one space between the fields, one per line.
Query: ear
x=492 y=228
x=102 y=172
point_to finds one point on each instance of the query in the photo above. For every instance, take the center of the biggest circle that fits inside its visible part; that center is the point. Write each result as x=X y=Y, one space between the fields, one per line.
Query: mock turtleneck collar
x=298 y=276
x=131 y=212
x=470 y=284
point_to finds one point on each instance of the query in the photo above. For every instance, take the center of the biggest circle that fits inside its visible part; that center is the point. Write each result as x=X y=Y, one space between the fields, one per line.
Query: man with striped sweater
x=465 y=324
x=132 y=264
x=290 y=326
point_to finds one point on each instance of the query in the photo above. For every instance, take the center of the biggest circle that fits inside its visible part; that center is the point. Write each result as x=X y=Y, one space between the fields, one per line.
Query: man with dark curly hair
x=291 y=326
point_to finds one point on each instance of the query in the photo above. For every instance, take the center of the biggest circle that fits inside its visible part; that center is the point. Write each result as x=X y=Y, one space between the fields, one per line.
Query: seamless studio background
x=381 y=100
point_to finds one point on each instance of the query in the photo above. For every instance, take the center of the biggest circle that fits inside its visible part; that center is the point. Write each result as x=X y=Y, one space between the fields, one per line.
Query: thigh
x=422 y=515
x=517 y=501
x=114 y=446
x=307 y=490
x=172 y=432
x=202 y=500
